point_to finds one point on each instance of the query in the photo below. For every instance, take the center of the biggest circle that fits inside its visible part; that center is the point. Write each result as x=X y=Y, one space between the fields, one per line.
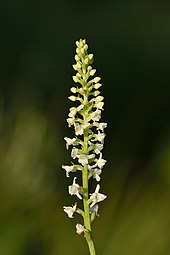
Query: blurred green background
x=131 y=44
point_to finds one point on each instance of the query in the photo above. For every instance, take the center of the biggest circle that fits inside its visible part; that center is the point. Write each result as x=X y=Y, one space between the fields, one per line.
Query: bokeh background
x=131 y=44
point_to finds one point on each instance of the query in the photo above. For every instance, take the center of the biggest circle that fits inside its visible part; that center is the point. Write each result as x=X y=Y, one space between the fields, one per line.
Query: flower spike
x=88 y=143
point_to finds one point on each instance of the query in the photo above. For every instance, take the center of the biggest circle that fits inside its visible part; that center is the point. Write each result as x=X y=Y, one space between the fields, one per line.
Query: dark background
x=131 y=44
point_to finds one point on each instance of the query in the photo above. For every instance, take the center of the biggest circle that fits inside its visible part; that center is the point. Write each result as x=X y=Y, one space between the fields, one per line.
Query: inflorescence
x=89 y=137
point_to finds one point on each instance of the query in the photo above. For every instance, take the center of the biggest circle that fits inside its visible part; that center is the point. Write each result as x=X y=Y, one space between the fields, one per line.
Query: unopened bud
x=75 y=79
x=92 y=72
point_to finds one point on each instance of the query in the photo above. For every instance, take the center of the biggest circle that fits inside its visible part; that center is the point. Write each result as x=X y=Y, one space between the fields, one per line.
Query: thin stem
x=87 y=221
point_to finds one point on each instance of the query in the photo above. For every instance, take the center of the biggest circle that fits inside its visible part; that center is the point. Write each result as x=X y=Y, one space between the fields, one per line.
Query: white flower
x=96 y=196
x=95 y=171
x=100 y=126
x=99 y=105
x=98 y=102
x=68 y=169
x=70 y=210
x=98 y=147
x=75 y=153
x=83 y=158
x=101 y=162
x=99 y=137
x=98 y=99
x=79 y=229
x=96 y=115
x=74 y=189
x=79 y=130
x=96 y=174
x=74 y=110
x=70 y=141
x=71 y=121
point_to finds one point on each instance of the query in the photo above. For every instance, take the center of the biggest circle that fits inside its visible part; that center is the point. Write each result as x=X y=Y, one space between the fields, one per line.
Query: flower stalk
x=87 y=143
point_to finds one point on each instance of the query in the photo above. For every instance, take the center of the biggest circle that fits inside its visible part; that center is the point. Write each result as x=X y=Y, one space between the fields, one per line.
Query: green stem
x=87 y=221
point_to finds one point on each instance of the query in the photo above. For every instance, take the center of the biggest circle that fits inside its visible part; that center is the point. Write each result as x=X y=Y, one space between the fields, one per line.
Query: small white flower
x=96 y=173
x=70 y=210
x=83 y=158
x=74 y=189
x=70 y=141
x=99 y=137
x=101 y=162
x=98 y=147
x=99 y=105
x=74 y=110
x=101 y=126
x=75 y=153
x=96 y=196
x=96 y=115
x=98 y=99
x=68 y=169
x=79 y=229
x=71 y=121
x=79 y=130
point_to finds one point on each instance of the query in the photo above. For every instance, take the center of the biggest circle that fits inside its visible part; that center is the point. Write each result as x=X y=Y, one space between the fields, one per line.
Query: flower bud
x=72 y=98
x=77 y=58
x=86 y=61
x=75 y=67
x=92 y=72
x=75 y=79
x=90 y=56
x=85 y=47
x=73 y=90
x=97 y=85
x=96 y=79
x=96 y=93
